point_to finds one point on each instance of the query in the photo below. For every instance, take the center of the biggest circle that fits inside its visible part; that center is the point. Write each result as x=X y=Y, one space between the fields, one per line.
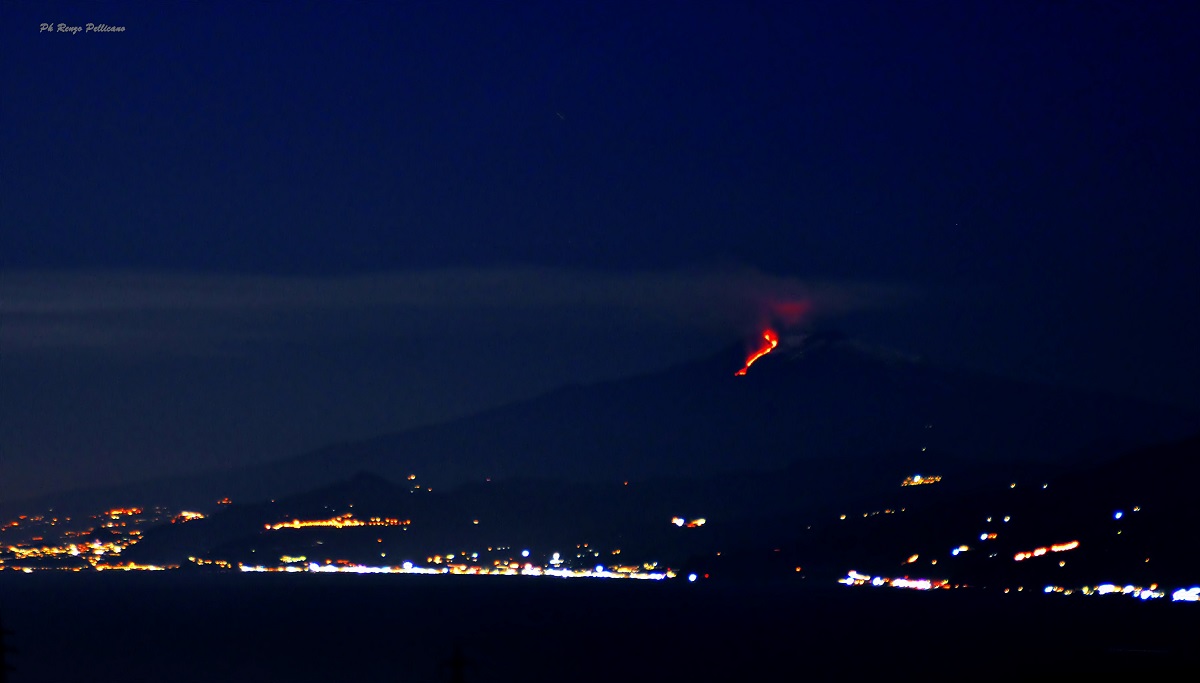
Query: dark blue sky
x=1005 y=186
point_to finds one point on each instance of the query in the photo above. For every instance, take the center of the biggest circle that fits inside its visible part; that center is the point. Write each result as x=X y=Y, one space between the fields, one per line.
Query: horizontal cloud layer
x=187 y=312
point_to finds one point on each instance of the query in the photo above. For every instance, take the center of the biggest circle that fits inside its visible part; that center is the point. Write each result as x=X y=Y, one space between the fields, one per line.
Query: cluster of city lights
x=1151 y=592
x=888 y=511
x=338 y=522
x=133 y=566
x=500 y=569
x=854 y=578
x=1186 y=594
x=223 y=564
x=1038 y=552
x=89 y=542
x=918 y=480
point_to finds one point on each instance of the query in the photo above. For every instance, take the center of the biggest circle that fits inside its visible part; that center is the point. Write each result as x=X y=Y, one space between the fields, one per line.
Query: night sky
x=234 y=232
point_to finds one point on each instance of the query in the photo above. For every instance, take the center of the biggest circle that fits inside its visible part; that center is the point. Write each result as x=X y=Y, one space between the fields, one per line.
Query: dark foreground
x=235 y=628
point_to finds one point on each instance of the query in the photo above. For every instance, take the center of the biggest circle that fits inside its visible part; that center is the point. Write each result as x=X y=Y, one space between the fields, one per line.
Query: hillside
x=816 y=398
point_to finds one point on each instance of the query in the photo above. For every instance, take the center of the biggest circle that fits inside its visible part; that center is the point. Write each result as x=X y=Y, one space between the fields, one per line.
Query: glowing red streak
x=770 y=341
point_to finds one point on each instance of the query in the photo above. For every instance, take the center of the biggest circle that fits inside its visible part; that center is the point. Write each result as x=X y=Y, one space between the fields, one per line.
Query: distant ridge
x=820 y=396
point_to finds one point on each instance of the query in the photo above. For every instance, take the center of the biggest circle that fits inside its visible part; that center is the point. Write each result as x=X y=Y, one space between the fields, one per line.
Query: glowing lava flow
x=770 y=341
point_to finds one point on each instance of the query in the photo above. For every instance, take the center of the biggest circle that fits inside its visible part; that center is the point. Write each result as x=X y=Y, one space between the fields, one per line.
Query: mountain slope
x=821 y=397
x=1119 y=521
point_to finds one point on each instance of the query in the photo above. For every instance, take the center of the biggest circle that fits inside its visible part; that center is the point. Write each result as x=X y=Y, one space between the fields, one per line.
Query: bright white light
x=1118 y=514
x=983 y=537
x=599 y=568
x=524 y=553
x=1048 y=589
x=691 y=577
x=1187 y=594
x=408 y=566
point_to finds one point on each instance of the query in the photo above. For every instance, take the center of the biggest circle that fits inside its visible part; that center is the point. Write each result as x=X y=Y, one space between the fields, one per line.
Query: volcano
x=814 y=398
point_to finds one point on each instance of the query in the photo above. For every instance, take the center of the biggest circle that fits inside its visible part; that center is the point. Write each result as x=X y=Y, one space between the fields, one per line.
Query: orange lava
x=770 y=341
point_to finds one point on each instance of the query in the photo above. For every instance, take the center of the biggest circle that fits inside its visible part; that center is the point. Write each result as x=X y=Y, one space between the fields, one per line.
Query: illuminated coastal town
x=1151 y=591
x=97 y=542
x=47 y=543
x=918 y=480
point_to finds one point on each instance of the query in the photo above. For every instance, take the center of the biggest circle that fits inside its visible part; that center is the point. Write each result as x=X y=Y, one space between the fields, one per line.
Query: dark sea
x=233 y=628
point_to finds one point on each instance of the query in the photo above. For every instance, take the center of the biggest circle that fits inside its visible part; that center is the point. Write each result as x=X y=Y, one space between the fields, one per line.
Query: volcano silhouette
x=814 y=398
